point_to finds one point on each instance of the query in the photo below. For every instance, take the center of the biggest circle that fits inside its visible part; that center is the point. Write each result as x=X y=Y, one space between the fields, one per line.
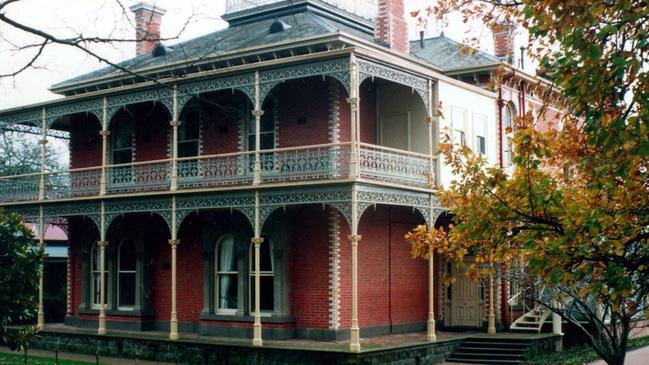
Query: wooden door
x=465 y=301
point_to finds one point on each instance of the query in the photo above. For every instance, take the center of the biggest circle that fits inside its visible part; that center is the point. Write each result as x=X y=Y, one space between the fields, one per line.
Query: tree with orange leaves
x=576 y=205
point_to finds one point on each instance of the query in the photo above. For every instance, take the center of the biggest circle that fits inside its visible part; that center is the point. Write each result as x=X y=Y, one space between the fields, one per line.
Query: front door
x=464 y=301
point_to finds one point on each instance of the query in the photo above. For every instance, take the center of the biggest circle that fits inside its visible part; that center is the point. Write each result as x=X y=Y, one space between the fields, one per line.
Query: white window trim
x=119 y=274
x=217 y=272
x=93 y=273
x=251 y=257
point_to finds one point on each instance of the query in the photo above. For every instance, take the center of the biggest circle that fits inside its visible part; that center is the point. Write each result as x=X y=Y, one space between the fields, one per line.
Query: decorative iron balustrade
x=72 y=183
x=142 y=176
x=308 y=163
x=328 y=161
x=19 y=187
x=218 y=170
x=394 y=166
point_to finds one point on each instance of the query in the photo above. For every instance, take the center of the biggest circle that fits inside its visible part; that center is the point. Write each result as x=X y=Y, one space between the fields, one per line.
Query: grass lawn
x=579 y=355
x=7 y=359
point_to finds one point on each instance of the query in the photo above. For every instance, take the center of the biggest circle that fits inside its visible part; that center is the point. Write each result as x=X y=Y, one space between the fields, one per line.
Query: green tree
x=20 y=268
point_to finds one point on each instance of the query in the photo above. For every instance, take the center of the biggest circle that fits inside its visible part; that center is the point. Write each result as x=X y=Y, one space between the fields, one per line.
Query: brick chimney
x=504 y=41
x=391 y=28
x=147 y=26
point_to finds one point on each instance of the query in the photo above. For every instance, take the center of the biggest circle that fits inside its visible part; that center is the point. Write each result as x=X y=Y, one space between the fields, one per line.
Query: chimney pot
x=148 y=18
x=391 y=28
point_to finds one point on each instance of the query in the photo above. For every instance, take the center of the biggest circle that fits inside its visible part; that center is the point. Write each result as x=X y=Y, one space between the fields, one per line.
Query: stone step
x=481 y=361
x=465 y=349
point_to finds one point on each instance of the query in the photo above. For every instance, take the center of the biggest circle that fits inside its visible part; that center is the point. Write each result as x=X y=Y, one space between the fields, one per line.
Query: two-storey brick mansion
x=258 y=181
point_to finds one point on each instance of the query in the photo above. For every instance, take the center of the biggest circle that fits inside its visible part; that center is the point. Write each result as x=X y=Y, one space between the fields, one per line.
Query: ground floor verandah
x=198 y=349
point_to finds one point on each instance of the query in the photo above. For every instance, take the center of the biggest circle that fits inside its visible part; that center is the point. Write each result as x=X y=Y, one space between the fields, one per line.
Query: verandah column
x=257 y=113
x=257 y=240
x=104 y=146
x=491 y=316
x=430 y=120
x=40 y=324
x=173 y=242
x=102 y=243
x=43 y=142
x=354 y=106
x=354 y=237
x=431 y=330
x=175 y=123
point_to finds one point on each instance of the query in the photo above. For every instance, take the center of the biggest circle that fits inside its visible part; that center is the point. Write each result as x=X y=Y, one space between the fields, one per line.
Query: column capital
x=429 y=120
x=43 y=141
x=353 y=102
x=102 y=244
x=174 y=243
x=175 y=123
x=257 y=241
x=258 y=113
x=355 y=238
x=104 y=133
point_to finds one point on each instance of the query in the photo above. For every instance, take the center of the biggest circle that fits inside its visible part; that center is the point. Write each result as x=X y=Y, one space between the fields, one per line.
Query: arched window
x=508 y=126
x=126 y=274
x=266 y=280
x=226 y=281
x=95 y=274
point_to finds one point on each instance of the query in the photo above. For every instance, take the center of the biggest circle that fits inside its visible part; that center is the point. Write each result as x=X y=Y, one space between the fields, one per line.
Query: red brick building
x=262 y=186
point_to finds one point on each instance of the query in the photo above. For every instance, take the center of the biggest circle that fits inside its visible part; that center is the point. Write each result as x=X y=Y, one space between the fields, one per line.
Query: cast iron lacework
x=163 y=95
x=370 y=196
x=29 y=214
x=371 y=70
x=339 y=198
x=435 y=212
x=116 y=208
x=338 y=69
x=33 y=117
x=242 y=202
x=244 y=83
x=79 y=209
x=29 y=129
x=93 y=106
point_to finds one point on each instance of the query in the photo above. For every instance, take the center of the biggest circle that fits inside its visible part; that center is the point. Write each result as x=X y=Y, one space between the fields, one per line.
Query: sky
x=185 y=19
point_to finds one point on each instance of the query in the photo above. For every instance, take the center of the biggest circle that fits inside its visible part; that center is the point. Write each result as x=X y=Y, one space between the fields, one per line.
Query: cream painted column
x=430 y=119
x=175 y=123
x=491 y=317
x=431 y=330
x=257 y=113
x=102 y=243
x=43 y=143
x=354 y=237
x=257 y=241
x=173 y=242
x=354 y=106
x=104 y=147
x=40 y=324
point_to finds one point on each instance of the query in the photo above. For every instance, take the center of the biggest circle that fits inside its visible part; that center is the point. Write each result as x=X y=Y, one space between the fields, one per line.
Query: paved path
x=88 y=358
x=635 y=357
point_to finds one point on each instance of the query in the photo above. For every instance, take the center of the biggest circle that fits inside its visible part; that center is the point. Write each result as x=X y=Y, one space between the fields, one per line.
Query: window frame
x=95 y=275
x=218 y=272
x=129 y=272
x=507 y=148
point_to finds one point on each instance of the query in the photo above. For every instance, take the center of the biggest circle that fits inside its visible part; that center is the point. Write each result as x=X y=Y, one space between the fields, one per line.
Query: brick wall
x=222 y=116
x=309 y=269
x=303 y=112
x=85 y=142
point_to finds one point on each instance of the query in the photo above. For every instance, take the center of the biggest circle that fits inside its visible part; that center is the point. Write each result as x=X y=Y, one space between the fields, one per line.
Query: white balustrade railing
x=394 y=166
x=140 y=176
x=320 y=162
x=216 y=170
x=19 y=187
x=72 y=183
x=307 y=163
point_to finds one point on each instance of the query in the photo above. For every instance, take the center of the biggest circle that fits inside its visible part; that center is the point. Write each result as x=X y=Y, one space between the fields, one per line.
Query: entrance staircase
x=532 y=321
x=491 y=350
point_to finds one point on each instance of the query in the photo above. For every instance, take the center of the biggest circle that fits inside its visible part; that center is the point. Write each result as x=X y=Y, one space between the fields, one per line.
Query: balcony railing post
x=104 y=147
x=43 y=142
x=354 y=106
x=175 y=123
x=257 y=113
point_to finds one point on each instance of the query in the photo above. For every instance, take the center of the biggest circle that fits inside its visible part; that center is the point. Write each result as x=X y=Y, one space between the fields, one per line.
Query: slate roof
x=303 y=24
x=448 y=54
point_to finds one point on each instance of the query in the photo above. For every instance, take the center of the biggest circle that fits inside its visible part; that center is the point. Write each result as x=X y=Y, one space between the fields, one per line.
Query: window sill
x=119 y=313
x=273 y=318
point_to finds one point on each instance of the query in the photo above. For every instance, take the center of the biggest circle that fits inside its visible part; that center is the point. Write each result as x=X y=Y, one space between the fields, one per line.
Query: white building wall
x=471 y=111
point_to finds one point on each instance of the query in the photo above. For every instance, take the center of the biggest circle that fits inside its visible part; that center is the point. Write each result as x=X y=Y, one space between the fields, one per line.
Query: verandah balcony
x=296 y=164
